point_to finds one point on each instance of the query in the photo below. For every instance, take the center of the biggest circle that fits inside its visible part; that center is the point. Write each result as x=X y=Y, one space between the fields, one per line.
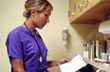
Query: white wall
x=11 y=16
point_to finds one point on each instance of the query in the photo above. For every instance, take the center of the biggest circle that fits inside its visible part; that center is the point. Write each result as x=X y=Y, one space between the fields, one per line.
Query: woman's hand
x=62 y=61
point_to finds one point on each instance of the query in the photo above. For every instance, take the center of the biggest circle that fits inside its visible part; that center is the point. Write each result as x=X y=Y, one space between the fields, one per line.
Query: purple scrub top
x=29 y=47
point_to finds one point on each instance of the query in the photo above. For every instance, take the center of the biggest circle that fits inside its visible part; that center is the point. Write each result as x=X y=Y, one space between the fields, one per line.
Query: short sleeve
x=14 y=46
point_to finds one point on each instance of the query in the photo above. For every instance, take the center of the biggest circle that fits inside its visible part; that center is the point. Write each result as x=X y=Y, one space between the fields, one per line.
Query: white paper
x=67 y=67
x=74 y=65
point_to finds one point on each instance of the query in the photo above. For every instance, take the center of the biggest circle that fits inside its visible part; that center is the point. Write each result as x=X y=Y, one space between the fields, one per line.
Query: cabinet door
x=78 y=7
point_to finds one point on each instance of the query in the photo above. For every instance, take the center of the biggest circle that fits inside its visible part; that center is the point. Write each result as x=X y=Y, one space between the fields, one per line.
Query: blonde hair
x=39 y=5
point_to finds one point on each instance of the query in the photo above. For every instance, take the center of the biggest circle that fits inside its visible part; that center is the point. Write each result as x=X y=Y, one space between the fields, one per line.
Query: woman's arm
x=17 y=65
x=53 y=63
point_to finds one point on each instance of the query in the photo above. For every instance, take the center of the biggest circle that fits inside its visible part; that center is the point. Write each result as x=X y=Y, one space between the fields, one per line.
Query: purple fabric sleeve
x=14 y=46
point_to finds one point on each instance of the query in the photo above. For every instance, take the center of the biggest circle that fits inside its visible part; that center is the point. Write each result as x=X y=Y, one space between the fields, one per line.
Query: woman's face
x=42 y=18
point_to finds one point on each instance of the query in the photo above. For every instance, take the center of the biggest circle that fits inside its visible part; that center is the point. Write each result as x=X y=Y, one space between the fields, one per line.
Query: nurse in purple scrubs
x=26 y=49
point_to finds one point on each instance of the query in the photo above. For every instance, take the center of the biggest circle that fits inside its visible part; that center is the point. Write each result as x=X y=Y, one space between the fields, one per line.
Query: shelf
x=93 y=14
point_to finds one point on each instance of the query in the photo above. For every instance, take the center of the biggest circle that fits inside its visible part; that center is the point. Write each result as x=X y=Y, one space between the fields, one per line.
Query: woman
x=26 y=49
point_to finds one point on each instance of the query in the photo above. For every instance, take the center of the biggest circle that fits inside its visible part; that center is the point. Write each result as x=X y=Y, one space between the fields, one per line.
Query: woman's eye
x=46 y=15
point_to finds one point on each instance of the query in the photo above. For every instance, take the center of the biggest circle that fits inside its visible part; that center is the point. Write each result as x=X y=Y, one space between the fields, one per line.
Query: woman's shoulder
x=16 y=30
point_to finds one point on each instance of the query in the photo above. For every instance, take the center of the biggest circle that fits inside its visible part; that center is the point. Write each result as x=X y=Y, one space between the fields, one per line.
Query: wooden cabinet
x=88 y=11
